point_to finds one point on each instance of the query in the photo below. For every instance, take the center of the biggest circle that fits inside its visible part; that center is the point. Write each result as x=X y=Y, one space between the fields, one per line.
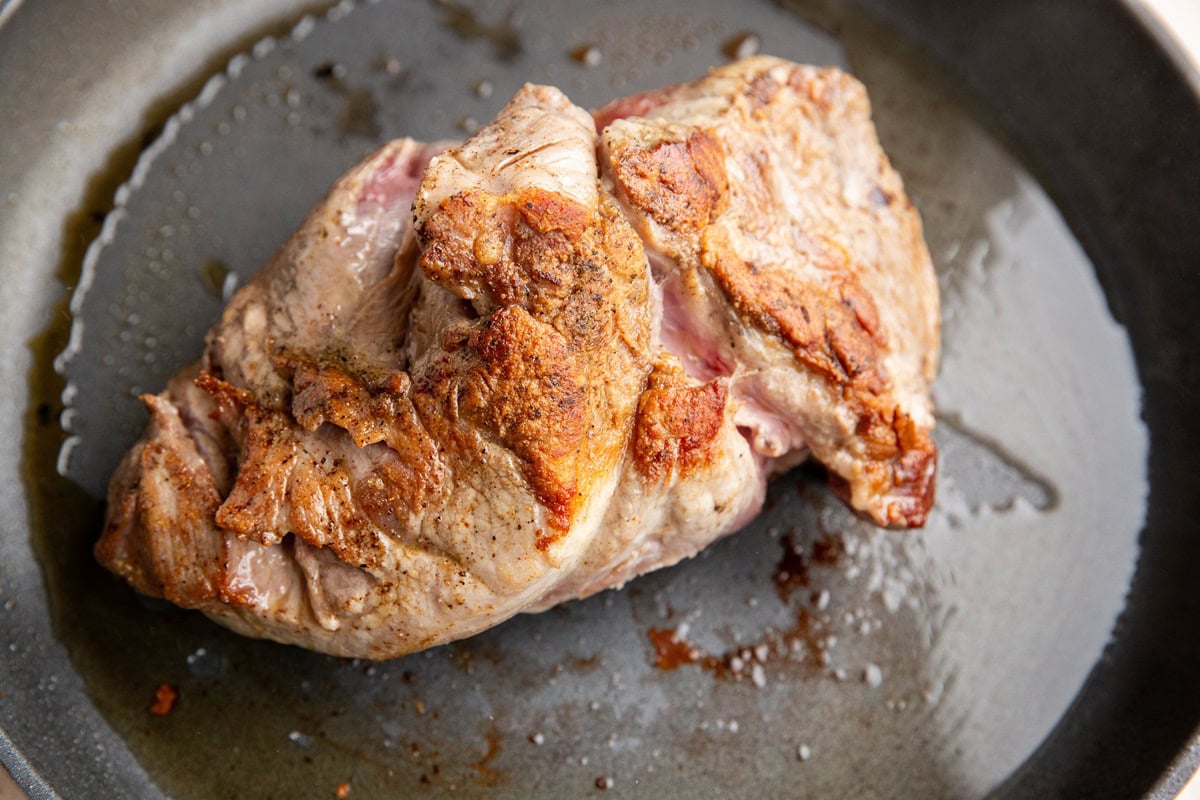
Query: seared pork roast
x=485 y=379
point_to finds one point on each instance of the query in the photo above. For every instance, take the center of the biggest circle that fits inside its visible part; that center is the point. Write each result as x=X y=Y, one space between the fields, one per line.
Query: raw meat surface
x=484 y=379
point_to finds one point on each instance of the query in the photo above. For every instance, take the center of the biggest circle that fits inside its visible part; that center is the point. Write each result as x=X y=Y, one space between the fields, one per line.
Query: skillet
x=1034 y=642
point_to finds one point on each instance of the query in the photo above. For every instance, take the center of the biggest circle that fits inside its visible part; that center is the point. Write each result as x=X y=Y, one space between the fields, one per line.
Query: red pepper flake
x=164 y=699
x=420 y=707
x=343 y=791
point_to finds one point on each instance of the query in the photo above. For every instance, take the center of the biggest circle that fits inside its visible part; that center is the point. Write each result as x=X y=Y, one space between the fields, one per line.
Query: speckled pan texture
x=1037 y=638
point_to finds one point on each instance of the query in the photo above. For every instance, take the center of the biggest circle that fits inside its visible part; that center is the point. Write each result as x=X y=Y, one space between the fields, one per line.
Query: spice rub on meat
x=484 y=379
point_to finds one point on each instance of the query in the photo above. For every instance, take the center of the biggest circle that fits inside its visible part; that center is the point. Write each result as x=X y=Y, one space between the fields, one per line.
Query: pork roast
x=487 y=378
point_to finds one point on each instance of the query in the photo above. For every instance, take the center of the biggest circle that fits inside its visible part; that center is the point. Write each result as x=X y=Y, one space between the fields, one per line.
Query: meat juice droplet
x=299 y=739
x=741 y=45
x=229 y=286
x=203 y=664
x=328 y=70
x=213 y=274
x=587 y=54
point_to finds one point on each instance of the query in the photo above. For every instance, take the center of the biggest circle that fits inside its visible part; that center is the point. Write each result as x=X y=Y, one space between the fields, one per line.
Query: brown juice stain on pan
x=927 y=664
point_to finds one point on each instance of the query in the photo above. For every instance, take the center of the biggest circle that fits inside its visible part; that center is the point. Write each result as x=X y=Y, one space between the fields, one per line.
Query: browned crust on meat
x=549 y=371
x=513 y=378
x=678 y=422
x=817 y=305
x=371 y=414
x=681 y=184
x=565 y=264
x=283 y=486
x=832 y=329
x=159 y=534
x=325 y=393
x=525 y=378
x=511 y=250
x=901 y=466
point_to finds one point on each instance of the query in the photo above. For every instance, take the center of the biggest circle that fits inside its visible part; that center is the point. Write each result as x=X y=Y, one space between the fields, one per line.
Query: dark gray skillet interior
x=1096 y=109
x=1110 y=124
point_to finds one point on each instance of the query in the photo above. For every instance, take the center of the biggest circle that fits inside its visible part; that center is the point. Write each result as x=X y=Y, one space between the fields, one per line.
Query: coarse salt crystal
x=872 y=675
x=589 y=56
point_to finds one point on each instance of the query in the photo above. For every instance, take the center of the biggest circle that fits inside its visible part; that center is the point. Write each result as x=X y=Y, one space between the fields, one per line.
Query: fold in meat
x=486 y=379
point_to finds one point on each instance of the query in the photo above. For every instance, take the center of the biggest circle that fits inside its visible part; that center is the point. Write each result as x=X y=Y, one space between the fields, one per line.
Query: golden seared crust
x=370 y=414
x=767 y=178
x=530 y=377
x=680 y=183
x=514 y=379
x=552 y=373
x=572 y=267
x=899 y=465
x=159 y=532
x=678 y=423
x=289 y=482
x=825 y=316
x=832 y=328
